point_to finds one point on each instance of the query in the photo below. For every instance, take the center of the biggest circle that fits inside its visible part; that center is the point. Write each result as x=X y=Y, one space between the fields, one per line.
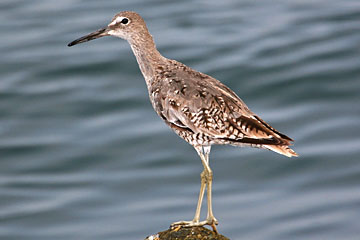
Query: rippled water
x=84 y=156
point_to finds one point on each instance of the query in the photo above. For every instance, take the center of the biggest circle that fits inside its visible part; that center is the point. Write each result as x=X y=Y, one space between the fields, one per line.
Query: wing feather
x=205 y=105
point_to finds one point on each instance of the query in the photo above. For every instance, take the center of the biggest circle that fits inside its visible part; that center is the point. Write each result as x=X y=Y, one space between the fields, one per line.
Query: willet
x=199 y=108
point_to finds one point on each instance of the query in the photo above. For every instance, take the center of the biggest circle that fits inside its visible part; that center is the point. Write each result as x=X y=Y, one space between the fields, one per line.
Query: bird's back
x=204 y=111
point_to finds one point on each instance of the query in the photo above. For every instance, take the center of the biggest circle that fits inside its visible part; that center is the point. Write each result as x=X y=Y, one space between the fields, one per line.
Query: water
x=84 y=156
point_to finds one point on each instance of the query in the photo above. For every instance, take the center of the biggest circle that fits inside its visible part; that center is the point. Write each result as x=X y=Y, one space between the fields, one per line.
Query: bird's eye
x=125 y=21
x=118 y=20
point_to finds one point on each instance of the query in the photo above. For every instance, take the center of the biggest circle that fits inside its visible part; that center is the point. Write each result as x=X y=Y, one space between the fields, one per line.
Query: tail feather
x=282 y=149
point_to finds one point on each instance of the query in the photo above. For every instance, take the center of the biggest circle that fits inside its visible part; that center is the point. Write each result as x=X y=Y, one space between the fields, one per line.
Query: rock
x=194 y=233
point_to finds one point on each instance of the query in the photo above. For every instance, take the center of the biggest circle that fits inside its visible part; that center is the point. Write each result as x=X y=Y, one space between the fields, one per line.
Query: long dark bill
x=94 y=35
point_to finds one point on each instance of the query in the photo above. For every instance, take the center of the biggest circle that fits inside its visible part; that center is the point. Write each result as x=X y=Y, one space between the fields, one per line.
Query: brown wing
x=205 y=105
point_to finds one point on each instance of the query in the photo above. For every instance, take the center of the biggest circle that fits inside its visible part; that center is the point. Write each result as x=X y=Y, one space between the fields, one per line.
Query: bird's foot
x=209 y=221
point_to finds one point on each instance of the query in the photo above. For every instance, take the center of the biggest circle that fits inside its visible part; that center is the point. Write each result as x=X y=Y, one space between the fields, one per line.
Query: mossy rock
x=193 y=233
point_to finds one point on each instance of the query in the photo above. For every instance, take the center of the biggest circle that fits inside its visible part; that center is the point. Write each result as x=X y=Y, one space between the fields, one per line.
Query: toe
x=212 y=221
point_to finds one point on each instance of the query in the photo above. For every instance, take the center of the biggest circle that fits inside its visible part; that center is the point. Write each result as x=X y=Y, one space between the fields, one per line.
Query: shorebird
x=199 y=108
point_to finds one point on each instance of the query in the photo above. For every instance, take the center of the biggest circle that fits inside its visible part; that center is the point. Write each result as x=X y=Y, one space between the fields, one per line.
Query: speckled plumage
x=199 y=108
x=203 y=111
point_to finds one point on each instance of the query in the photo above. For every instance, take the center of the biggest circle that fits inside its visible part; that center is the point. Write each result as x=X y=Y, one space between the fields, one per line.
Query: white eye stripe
x=118 y=20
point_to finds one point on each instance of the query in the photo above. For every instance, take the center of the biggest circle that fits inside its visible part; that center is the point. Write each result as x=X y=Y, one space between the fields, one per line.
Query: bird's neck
x=147 y=56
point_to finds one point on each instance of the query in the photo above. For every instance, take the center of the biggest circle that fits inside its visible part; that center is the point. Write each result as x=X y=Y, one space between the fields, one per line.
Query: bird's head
x=126 y=25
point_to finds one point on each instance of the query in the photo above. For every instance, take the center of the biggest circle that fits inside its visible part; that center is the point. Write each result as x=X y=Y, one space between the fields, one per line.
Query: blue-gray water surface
x=84 y=156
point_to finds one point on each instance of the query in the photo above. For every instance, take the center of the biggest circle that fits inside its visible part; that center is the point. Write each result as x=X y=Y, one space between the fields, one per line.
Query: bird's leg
x=195 y=221
x=201 y=196
x=206 y=181
x=210 y=219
